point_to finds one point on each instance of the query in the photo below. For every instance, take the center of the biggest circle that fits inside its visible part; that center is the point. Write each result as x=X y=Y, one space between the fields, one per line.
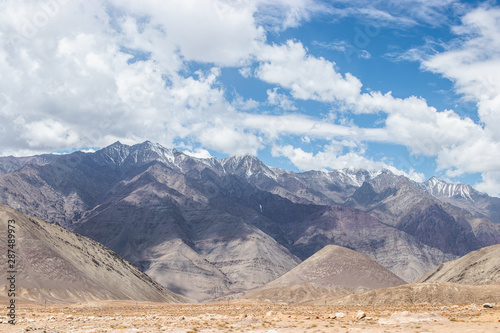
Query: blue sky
x=412 y=86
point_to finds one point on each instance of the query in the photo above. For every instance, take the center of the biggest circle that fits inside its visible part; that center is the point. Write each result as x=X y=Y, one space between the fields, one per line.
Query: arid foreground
x=129 y=316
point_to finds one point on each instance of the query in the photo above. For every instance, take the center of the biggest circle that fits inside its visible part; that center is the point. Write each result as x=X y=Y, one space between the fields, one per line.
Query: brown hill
x=332 y=271
x=421 y=293
x=476 y=268
x=54 y=264
x=337 y=266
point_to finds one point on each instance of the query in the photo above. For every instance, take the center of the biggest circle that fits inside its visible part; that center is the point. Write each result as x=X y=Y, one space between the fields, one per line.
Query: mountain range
x=205 y=228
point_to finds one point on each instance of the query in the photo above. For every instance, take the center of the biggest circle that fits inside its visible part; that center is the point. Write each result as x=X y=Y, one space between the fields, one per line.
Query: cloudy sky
x=409 y=85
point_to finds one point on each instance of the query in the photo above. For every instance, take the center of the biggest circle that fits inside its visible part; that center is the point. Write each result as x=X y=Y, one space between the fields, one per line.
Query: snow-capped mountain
x=235 y=224
x=465 y=196
x=440 y=189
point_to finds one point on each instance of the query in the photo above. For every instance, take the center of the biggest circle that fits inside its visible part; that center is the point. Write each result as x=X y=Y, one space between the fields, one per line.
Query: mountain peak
x=116 y=144
x=337 y=266
x=247 y=166
x=440 y=188
x=115 y=153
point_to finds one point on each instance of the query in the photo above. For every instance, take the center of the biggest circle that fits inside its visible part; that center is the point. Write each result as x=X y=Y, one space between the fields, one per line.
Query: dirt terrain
x=129 y=316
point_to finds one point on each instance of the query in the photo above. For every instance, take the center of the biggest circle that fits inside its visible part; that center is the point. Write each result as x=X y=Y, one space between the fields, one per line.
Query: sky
x=412 y=86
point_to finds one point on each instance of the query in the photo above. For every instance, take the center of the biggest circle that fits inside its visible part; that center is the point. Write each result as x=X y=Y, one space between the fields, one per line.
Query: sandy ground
x=129 y=316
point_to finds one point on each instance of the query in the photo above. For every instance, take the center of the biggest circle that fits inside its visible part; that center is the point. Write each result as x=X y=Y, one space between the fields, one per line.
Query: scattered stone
x=69 y=317
x=360 y=315
x=339 y=315
x=488 y=306
x=331 y=316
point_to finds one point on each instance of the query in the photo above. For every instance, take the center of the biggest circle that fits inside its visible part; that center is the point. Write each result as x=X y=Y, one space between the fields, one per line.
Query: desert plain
x=236 y=316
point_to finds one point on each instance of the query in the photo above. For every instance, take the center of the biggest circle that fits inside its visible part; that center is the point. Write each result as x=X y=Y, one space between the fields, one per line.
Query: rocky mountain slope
x=11 y=163
x=54 y=264
x=207 y=227
x=476 y=268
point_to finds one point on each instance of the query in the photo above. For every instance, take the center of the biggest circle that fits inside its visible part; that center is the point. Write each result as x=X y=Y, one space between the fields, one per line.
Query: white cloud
x=490 y=183
x=198 y=153
x=49 y=133
x=278 y=15
x=217 y=31
x=280 y=100
x=296 y=124
x=306 y=76
x=88 y=73
x=473 y=64
x=246 y=72
x=230 y=140
x=240 y=103
x=396 y=12
x=332 y=157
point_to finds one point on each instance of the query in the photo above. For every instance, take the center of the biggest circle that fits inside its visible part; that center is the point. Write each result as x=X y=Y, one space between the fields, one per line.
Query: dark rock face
x=11 y=163
x=208 y=227
x=433 y=226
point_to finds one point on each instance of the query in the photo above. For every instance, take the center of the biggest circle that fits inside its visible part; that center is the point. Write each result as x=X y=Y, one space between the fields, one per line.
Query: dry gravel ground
x=129 y=316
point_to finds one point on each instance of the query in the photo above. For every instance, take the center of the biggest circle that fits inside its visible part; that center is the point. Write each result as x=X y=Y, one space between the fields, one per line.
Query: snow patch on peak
x=355 y=176
x=247 y=166
x=116 y=153
x=440 y=188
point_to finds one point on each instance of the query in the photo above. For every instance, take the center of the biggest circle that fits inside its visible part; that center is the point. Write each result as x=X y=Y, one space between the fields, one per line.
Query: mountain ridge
x=173 y=215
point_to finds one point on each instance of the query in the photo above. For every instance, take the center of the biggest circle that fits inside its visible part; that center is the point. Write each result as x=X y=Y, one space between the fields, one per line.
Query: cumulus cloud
x=306 y=77
x=472 y=63
x=332 y=157
x=280 y=100
x=79 y=74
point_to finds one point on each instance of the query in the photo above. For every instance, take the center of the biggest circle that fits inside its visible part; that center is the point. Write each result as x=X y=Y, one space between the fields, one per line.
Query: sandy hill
x=421 y=293
x=334 y=270
x=476 y=268
x=55 y=264
x=337 y=266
